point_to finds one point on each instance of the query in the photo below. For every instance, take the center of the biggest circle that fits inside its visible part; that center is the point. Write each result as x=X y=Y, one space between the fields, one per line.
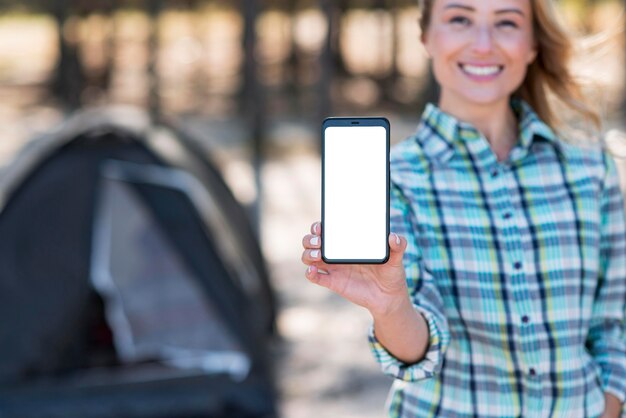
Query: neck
x=496 y=121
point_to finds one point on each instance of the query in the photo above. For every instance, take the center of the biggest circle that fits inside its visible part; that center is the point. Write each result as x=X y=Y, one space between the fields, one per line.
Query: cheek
x=519 y=51
x=444 y=45
x=518 y=56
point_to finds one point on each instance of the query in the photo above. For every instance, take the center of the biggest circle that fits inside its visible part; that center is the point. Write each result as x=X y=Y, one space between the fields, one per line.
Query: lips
x=481 y=70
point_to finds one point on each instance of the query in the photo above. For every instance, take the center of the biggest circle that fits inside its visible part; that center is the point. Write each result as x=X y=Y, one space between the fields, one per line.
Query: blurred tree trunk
x=388 y=80
x=339 y=10
x=69 y=76
x=293 y=61
x=328 y=63
x=154 y=85
x=109 y=46
x=98 y=80
x=253 y=104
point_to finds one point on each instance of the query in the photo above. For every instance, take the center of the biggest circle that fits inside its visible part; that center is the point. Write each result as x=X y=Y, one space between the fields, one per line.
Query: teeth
x=471 y=69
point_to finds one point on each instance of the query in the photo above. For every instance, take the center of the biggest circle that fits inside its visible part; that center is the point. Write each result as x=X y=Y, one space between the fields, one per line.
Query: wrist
x=613 y=406
x=393 y=307
x=403 y=331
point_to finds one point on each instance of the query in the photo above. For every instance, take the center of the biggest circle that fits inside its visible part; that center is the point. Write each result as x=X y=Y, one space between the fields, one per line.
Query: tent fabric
x=132 y=255
x=62 y=323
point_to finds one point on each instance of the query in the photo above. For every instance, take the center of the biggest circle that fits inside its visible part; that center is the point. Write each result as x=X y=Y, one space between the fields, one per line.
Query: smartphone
x=355 y=190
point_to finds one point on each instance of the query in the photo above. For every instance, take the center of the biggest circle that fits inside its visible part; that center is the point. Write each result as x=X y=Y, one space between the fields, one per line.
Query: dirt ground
x=327 y=369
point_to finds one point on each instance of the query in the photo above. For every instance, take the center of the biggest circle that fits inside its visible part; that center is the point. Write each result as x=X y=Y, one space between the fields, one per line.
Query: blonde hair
x=550 y=75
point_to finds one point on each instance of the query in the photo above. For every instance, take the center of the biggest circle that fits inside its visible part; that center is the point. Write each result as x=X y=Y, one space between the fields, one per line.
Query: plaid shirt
x=519 y=268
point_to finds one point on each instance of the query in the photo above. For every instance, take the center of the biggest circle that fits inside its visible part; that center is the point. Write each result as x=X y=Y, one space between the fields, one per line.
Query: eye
x=507 y=24
x=460 y=20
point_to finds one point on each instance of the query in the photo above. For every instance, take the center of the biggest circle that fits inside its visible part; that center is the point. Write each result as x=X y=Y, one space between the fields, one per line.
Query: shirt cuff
x=427 y=367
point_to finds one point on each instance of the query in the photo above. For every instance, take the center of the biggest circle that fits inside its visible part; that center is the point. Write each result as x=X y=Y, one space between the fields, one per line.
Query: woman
x=505 y=291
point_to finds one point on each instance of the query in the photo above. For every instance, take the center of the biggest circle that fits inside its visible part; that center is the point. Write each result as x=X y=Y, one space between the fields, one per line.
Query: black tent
x=131 y=282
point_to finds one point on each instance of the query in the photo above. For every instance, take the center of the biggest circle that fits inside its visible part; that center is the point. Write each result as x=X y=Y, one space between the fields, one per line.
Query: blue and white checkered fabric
x=519 y=268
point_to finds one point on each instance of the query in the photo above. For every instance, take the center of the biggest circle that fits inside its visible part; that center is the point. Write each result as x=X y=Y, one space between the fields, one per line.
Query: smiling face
x=480 y=49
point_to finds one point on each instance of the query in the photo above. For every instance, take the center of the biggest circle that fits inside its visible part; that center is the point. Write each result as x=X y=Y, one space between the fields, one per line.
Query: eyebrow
x=459 y=6
x=471 y=9
x=502 y=11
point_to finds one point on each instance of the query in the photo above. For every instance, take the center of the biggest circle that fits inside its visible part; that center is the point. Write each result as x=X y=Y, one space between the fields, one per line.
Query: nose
x=483 y=42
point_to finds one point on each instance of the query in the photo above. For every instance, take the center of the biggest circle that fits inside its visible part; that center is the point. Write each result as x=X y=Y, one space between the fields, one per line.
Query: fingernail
x=315 y=240
x=315 y=253
x=397 y=239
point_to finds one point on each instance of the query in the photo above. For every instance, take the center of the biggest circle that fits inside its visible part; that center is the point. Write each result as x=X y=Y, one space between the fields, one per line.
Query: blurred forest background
x=253 y=80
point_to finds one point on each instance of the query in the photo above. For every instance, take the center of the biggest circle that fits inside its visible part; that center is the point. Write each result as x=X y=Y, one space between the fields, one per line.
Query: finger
x=311 y=256
x=316 y=228
x=318 y=276
x=329 y=279
x=397 y=246
x=311 y=241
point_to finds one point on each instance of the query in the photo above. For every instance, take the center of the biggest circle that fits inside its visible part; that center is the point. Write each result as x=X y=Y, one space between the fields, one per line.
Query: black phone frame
x=352 y=122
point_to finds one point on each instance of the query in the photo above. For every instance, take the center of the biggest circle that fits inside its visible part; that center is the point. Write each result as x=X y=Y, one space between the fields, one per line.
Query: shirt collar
x=532 y=127
x=441 y=134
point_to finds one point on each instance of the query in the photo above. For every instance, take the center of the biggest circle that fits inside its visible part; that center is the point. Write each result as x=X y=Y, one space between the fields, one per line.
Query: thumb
x=397 y=245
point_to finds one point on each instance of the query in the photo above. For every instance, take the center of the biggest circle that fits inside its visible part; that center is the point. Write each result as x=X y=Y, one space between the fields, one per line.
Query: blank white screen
x=355 y=193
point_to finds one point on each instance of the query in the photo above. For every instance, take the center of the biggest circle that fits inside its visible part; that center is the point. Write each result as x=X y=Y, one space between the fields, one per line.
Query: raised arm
x=424 y=299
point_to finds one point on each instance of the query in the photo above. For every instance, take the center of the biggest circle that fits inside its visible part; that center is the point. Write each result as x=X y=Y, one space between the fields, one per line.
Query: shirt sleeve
x=425 y=297
x=606 y=340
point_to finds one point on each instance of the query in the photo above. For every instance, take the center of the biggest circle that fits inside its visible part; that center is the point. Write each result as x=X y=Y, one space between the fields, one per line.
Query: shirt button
x=532 y=371
x=525 y=319
x=507 y=215
x=517 y=265
x=494 y=173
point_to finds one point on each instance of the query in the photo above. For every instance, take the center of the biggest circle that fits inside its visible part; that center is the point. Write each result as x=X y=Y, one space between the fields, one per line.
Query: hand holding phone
x=377 y=287
x=355 y=190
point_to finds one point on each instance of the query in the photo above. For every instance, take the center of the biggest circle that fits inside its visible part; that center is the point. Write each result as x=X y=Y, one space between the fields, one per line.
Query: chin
x=481 y=99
